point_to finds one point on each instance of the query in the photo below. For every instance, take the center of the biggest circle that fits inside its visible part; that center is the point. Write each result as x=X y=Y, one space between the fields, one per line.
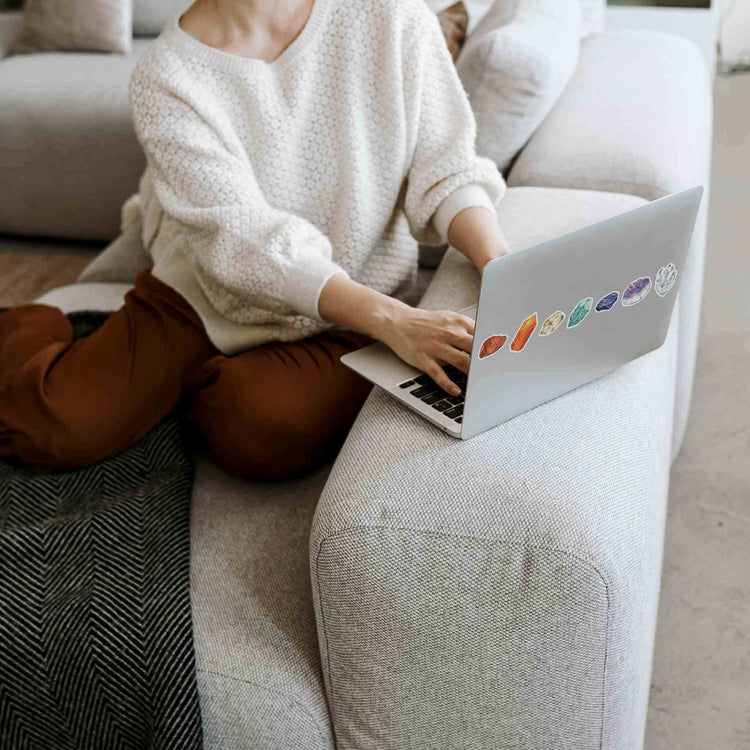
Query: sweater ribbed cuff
x=304 y=283
x=468 y=196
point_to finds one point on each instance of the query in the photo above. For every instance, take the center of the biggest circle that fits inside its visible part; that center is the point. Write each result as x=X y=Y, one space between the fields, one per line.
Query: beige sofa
x=421 y=592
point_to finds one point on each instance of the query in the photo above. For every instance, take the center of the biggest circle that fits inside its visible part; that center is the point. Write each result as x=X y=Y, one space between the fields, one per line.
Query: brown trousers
x=270 y=412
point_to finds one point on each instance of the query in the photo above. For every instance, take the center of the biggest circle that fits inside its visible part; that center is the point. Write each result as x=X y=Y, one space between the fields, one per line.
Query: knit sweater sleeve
x=445 y=170
x=244 y=251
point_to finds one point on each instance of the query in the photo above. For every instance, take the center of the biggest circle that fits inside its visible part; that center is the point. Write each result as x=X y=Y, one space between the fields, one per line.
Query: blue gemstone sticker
x=607 y=302
x=580 y=311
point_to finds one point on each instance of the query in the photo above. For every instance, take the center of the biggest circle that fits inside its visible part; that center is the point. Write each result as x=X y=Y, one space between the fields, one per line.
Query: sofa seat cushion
x=257 y=658
x=635 y=118
x=67 y=146
x=74 y=297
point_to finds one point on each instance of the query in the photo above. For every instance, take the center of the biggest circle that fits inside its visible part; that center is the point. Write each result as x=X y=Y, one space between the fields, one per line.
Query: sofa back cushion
x=514 y=66
x=149 y=16
x=74 y=26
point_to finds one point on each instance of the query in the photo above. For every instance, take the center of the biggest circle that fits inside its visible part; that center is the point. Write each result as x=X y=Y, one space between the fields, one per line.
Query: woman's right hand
x=426 y=339
x=429 y=339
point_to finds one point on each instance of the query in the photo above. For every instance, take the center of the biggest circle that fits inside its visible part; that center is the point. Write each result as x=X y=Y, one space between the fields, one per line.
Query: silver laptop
x=553 y=317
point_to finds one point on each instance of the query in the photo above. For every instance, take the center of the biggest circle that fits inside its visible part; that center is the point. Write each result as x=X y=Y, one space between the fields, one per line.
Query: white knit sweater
x=265 y=179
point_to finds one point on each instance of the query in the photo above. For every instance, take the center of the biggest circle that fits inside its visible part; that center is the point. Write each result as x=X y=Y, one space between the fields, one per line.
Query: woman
x=297 y=152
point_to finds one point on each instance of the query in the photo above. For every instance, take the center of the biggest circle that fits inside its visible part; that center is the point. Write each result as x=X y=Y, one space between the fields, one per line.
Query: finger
x=456 y=357
x=460 y=340
x=466 y=322
x=437 y=373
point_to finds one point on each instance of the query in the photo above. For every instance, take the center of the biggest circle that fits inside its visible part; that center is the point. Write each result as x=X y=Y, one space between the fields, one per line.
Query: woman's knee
x=253 y=437
x=46 y=441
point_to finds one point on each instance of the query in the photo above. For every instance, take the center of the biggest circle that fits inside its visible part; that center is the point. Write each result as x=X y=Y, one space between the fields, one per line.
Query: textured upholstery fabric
x=121 y=260
x=75 y=25
x=149 y=16
x=257 y=658
x=499 y=592
x=636 y=118
x=74 y=297
x=67 y=147
x=514 y=67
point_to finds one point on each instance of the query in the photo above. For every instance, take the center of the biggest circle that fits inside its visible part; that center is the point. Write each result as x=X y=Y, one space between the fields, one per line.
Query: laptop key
x=431 y=398
x=442 y=405
x=459 y=419
x=424 y=390
x=407 y=384
x=423 y=380
x=455 y=400
x=456 y=411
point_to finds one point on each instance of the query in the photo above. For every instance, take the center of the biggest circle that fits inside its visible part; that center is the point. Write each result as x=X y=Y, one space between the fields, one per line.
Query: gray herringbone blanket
x=96 y=648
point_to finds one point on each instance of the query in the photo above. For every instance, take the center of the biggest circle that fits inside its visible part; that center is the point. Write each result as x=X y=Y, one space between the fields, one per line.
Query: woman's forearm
x=475 y=232
x=350 y=304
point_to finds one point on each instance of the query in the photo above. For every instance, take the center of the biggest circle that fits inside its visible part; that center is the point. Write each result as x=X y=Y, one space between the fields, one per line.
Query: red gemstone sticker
x=524 y=333
x=491 y=345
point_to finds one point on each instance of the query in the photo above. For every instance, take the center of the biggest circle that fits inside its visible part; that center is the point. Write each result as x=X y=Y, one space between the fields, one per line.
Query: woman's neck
x=251 y=28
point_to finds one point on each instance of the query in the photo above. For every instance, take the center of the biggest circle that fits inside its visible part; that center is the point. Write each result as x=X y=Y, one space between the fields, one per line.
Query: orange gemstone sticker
x=491 y=345
x=524 y=333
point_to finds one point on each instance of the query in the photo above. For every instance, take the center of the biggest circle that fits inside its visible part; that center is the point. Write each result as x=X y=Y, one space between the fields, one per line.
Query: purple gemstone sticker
x=636 y=291
x=607 y=302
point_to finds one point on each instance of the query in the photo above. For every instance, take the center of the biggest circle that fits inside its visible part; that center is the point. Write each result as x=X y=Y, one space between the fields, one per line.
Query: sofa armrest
x=636 y=118
x=10 y=24
x=498 y=592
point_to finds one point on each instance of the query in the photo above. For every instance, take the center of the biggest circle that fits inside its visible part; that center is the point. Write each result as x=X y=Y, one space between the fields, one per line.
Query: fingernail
x=456 y=391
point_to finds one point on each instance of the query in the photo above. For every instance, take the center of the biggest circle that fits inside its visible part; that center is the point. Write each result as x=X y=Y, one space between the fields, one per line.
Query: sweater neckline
x=237 y=63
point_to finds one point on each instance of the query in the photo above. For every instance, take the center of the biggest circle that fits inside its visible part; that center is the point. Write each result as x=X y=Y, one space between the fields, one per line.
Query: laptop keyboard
x=427 y=390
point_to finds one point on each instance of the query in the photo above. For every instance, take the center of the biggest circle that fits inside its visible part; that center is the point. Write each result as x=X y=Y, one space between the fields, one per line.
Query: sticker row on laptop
x=632 y=295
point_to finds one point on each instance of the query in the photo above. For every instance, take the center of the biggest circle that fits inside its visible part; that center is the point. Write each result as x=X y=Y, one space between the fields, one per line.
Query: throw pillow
x=150 y=16
x=75 y=25
x=514 y=66
x=454 y=21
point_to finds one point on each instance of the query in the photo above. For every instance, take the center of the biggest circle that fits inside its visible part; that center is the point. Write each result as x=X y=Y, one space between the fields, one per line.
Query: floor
x=700 y=697
x=28 y=269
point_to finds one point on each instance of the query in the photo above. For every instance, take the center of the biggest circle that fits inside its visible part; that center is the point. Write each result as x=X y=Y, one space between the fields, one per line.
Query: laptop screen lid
x=557 y=315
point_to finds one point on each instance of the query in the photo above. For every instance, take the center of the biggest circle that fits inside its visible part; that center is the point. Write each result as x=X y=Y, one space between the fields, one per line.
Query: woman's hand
x=423 y=338
x=429 y=339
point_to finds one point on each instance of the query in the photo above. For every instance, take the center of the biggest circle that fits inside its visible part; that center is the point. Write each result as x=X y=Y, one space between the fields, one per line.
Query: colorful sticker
x=636 y=291
x=580 y=311
x=607 y=302
x=552 y=323
x=491 y=345
x=524 y=333
x=665 y=279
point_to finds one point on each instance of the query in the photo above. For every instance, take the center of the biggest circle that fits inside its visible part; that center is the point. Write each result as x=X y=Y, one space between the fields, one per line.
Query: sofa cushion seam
x=272 y=689
x=585 y=184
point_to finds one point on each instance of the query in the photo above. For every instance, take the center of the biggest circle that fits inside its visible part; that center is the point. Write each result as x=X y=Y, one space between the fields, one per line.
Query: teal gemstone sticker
x=580 y=311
